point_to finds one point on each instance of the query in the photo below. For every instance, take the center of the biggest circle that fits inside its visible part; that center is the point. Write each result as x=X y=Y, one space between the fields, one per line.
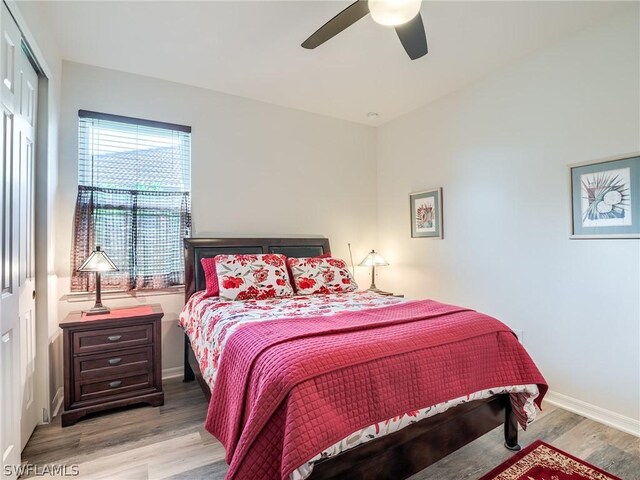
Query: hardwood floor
x=170 y=442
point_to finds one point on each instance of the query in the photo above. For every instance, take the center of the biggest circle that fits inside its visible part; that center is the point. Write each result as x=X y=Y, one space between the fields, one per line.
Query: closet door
x=10 y=398
x=18 y=105
x=23 y=154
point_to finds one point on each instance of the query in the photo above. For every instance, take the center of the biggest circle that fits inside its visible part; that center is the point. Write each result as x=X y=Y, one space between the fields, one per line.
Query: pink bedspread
x=287 y=389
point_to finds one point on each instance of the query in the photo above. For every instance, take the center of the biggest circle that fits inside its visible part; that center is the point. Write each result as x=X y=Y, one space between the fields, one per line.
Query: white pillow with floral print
x=243 y=277
x=321 y=275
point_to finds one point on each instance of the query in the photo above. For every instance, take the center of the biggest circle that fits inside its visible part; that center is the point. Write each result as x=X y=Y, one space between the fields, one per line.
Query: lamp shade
x=393 y=12
x=98 y=261
x=373 y=260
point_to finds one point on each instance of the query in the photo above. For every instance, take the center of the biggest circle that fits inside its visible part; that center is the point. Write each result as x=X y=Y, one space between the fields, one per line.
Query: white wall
x=256 y=169
x=500 y=150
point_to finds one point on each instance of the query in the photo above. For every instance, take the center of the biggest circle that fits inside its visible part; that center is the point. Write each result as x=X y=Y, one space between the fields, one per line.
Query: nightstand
x=111 y=360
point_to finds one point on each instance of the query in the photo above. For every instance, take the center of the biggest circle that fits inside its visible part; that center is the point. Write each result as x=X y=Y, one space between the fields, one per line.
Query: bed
x=401 y=452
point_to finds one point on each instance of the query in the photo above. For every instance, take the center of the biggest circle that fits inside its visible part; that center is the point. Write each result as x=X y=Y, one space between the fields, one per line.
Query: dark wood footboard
x=407 y=451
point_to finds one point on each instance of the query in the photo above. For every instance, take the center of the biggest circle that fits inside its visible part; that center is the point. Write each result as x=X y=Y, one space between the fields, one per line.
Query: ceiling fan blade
x=344 y=19
x=413 y=38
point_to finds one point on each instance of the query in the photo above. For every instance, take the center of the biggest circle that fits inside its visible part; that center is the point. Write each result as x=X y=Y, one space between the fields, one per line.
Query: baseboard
x=56 y=403
x=174 y=372
x=593 y=412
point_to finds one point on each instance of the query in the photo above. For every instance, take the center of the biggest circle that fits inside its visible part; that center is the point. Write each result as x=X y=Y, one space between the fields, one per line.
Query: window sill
x=76 y=297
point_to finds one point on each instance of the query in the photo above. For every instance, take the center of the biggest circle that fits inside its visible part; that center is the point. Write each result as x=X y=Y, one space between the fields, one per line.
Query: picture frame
x=605 y=198
x=426 y=214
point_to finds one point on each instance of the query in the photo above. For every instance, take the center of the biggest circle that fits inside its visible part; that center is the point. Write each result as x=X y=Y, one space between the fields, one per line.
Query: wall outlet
x=520 y=334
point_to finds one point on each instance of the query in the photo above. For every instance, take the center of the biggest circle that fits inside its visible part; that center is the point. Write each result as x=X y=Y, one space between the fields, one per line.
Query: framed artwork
x=426 y=213
x=605 y=198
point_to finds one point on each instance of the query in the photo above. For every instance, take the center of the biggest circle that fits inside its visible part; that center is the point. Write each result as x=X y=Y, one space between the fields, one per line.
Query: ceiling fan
x=404 y=15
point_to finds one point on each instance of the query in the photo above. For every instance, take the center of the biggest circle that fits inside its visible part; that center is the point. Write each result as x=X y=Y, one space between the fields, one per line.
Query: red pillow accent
x=290 y=272
x=211 y=277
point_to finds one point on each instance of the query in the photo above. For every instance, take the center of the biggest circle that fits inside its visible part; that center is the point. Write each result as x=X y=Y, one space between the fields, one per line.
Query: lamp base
x=102 y=310
x=378 y=291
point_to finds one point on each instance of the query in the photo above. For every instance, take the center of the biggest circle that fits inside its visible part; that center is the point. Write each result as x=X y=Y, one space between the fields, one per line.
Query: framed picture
x=426 y=213
x=605 y=198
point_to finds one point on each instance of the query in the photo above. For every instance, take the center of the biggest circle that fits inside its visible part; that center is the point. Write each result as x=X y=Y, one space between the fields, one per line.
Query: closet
x=18 y=106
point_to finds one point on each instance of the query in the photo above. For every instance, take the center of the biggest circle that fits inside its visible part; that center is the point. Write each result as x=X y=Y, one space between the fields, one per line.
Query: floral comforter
x=209 y=322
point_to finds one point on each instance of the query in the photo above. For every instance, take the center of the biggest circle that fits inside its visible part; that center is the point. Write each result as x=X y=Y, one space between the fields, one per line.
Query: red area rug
x=541 y=461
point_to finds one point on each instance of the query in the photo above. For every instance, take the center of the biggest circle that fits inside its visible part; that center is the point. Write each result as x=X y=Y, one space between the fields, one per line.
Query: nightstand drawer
x=116 y=363
x=90 y=341
x=92 y=390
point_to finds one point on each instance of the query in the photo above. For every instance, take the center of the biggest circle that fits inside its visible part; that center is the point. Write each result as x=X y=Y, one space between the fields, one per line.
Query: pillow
x=321 y=275
x=291 y=280
x=210 y=277
x=242 y=277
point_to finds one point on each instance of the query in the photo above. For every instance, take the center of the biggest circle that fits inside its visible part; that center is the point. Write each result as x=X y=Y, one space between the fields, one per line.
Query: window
x=134 y=181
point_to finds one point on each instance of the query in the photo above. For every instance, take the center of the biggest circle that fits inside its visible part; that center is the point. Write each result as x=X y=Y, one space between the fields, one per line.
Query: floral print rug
x=541 y=461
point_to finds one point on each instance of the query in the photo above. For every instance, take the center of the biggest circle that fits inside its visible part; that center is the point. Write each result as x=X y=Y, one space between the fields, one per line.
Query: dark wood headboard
x=195 y=249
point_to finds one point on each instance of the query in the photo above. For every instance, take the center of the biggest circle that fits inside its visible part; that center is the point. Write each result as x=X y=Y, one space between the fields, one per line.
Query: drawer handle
x=115 y=384
x=114 y=361
x=114 y=338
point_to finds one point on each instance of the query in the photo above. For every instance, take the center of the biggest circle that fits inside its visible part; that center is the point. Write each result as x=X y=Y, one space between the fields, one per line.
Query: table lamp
x=98 y=262
x=374 y=260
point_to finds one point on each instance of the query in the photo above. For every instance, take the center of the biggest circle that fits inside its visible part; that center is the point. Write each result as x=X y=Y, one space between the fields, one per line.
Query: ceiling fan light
x=393 y=12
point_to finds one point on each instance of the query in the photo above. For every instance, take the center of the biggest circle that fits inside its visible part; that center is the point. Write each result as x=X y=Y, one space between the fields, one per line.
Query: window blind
x=133 y=200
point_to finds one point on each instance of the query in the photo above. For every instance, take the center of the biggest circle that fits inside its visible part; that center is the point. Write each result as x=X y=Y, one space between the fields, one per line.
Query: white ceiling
x=252 y=49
